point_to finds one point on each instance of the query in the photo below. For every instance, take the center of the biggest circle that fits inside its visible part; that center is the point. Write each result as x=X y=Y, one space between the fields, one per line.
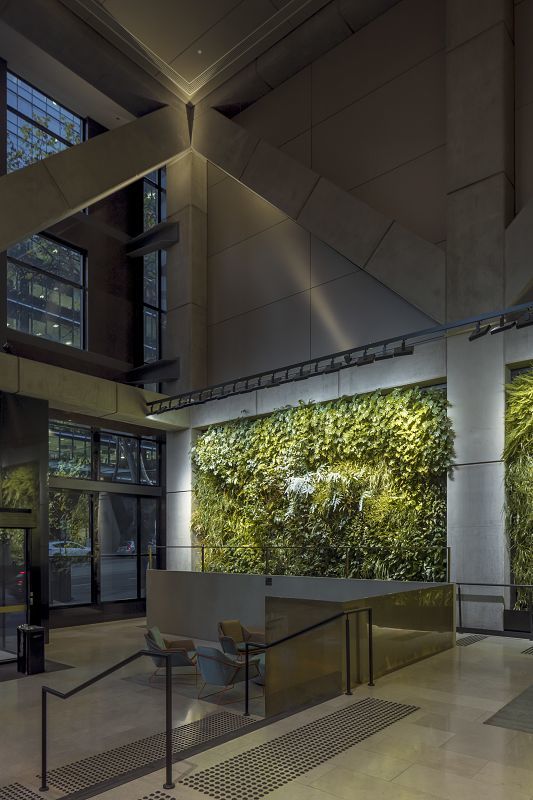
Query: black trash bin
x=30 y=649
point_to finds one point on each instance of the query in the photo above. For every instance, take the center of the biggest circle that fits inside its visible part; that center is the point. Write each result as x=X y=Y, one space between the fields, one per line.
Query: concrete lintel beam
x=222 y=142
x=343 y=222
x=39 y=196
x=280 y=179
x=160 y=237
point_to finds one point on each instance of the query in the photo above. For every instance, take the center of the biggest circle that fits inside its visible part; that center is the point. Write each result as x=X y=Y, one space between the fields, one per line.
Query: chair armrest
x=253 y=635
x=179 y=644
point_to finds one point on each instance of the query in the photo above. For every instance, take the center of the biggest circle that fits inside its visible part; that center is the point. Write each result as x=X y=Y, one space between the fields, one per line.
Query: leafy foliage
x=518 y=457
x=354 y=486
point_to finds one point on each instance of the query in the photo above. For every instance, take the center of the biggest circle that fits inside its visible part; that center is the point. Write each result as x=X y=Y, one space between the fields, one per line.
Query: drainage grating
x=129 y=757
x=528 y=652
x=259 y=771
x=15 y=791
x=466 y=640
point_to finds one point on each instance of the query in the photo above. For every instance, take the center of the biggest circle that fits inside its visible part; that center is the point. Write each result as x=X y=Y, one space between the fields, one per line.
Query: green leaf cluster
x=518 y=457
x=353 y=486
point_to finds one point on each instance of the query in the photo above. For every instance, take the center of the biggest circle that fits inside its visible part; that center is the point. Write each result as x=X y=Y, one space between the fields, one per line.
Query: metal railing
x=346 y=614
x=345 y=553
x=527 y=587
x=46 y=690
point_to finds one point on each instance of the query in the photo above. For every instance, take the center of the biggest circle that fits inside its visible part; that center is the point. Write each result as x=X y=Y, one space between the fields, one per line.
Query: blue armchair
x=220 y=669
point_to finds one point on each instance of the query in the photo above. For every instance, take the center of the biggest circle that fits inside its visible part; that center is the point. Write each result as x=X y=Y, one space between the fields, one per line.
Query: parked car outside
x=68 y=549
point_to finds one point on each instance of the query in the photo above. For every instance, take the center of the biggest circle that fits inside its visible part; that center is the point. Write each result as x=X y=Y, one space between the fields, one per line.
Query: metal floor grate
x=15 y=791
x=259 y=771
x=466 y=640
x=528 y=652
x=122 y=760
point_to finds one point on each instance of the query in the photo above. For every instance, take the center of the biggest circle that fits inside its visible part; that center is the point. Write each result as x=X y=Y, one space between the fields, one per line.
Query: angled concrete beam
x=110 y=66
x=407 y=264
x=41 y=195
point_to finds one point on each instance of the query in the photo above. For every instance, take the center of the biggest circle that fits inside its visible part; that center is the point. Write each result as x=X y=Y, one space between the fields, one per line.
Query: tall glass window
x=46 y=284
x=37 y=126
x=69 y=450
x=78 y=451
x=154 y=268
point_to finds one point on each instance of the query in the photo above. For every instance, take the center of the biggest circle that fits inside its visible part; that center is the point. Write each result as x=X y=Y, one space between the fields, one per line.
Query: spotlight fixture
x=404 y=350
x=384 y=355
x=348 y=358
x=479 y=332
x=525 y=320
x=503 y=326
x=332 y=366
x=366 y=358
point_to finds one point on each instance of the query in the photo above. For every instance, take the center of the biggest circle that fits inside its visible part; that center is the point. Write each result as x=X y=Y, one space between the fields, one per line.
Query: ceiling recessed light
x=55 y=325
x=200 y=52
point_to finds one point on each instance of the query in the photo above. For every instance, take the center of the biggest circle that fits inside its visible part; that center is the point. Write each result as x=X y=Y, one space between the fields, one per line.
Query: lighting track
x=519 y=316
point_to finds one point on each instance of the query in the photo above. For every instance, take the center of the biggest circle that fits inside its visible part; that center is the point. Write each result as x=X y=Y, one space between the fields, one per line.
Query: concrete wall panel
x=413 y=268
x=263 y=339
x=479 y=130
x=282 y=114
x=524 y=155
x=236 y=213
x=276 y=176
x=356 y=309
x=343 y=222
x=299 y=148
x=466 y=20
x=476 y=380
x=414 y=194
x=385 y=129
x=393 y=43
x=477 y=216
x=259 y=270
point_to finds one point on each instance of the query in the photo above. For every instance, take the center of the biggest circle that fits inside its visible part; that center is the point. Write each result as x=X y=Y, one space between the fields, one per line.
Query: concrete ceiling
x=196 y=44
x=118 y=59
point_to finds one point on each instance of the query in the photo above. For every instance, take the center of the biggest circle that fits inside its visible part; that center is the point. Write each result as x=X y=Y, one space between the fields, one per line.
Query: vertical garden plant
x=353 y=486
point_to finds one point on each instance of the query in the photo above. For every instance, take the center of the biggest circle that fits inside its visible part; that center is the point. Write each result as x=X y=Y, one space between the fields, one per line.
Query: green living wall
x=518 y=457
x=364 y=475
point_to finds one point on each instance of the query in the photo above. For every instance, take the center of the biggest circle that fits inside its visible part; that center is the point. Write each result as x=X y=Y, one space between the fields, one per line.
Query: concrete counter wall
x=192 y=603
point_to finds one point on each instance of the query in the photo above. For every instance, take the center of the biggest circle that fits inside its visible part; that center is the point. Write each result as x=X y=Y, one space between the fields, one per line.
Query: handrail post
x=460 y=606
x=169 y=784
x=203 y=558
x=448 y=563
x=246 y=677
x=370 y=649
x=44 y=742
x=348 y=665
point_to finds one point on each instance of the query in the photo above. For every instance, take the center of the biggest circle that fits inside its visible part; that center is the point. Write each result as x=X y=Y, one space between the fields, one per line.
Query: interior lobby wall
x=370 y=116
x=277 y=295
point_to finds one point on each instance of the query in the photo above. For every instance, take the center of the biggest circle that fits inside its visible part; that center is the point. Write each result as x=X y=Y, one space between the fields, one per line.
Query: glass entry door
x=13 y=588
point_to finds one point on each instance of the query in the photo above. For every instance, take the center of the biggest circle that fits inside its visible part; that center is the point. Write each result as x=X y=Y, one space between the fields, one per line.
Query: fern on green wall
x=365 y=473
x=518 y=457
